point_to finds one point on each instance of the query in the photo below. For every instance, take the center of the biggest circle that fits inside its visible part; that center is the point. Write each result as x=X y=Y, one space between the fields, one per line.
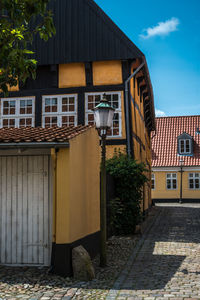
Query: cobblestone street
x=165 y=264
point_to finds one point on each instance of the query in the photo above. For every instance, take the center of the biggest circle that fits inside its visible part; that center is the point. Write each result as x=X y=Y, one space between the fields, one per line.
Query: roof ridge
x=165 y=117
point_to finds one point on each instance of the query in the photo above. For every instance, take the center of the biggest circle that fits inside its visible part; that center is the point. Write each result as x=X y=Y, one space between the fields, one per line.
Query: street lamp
x=181 y=164
x=103 y=116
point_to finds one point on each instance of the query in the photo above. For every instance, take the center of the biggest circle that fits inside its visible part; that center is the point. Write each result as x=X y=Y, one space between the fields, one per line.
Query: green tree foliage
x=17 y=29
x=129 y=178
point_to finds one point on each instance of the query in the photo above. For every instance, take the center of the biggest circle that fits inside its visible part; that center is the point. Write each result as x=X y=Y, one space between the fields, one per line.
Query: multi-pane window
x=171 y=181
x=185 y=146
x=17 y=112
x=59 y=110
x=153 y=181
x=194 y=181
x=114 y=99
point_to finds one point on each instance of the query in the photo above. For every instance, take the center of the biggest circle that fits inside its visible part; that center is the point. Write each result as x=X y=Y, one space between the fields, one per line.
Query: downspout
x=127 y=107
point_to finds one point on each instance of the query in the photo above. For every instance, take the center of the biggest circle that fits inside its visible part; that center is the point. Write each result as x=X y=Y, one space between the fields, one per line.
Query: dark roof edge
x=151 y=93
x=184 y=133
x=114 y=27
x=34 y=145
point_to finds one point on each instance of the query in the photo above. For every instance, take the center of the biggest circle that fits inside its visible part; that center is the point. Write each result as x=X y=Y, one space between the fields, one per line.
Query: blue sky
x=168 y=33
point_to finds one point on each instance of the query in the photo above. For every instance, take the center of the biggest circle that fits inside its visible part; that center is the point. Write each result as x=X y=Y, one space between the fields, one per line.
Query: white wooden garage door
x=24 y=210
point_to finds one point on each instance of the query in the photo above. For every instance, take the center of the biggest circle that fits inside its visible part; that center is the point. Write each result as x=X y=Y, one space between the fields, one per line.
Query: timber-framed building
x=88 y=56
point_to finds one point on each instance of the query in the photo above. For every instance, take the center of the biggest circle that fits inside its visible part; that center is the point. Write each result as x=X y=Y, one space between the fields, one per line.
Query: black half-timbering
x=185 y=144
x=46 y=77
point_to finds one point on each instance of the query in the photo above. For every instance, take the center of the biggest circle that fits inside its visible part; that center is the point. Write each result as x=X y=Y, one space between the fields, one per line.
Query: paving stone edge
x=122 y=276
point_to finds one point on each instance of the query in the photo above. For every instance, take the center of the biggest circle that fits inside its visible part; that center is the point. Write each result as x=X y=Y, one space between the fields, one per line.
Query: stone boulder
x=82 y=265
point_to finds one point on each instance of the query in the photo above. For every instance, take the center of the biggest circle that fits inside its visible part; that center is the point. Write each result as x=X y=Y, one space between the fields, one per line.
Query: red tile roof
x=164 y=143
x=38 y=134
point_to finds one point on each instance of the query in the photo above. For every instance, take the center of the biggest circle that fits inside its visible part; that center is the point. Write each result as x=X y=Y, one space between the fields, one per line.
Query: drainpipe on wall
x=127 y=107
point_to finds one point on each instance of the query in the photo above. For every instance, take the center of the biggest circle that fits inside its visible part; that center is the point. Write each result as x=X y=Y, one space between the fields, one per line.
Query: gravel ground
x=38 y=283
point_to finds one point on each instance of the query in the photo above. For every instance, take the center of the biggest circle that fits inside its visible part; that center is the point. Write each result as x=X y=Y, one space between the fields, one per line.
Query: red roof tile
x=38 y=134
x=164 y=143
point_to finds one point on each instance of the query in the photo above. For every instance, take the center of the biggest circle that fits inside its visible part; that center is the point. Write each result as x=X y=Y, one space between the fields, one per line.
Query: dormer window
x=185 y=144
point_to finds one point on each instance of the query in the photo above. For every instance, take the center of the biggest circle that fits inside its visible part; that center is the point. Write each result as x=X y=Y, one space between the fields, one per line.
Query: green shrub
x=129 y=178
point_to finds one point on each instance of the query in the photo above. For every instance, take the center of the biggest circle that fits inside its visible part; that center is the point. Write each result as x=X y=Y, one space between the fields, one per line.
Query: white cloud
x=160 y=113
x=163 y=28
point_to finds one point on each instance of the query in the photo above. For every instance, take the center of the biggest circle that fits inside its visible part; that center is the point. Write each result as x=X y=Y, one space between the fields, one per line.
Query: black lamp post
x=103 y=116
x=181 y=163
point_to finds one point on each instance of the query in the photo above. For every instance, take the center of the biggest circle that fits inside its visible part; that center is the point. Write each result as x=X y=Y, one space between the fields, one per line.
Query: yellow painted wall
x=139 y=129
x=112 y=149
x=72 y=75
x=78 y=189
x=62 y=201
x=107 y=72
x=161 y=191
x=12 y=89
x=84 y=185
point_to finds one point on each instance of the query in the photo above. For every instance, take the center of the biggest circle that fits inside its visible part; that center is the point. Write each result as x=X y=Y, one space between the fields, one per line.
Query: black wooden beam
x=81 y=109
x=38 y=109
x=88 y=74
x=116 y=142
x=140 y=79
x=125 y=70
x=145 y=95
x=143 y=88
x=73 y=90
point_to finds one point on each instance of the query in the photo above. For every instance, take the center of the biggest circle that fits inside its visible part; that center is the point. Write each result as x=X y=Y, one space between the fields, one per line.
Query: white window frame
x=153 y=179
x=59 y=113
x=118 y=110
x=190 y=146
x=193 y=177
x=17 y=116
x=171 y=178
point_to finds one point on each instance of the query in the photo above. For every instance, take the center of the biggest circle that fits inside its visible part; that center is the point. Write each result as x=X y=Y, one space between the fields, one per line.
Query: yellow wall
x=139 y=129
x=107 y=72
x=72 y=75
x=161 y=191
x=62 y=199
x=112 y=149
x=12 y=89
x=78 y=188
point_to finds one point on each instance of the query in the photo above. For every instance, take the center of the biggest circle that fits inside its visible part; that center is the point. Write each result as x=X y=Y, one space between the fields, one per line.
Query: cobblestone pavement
x=165 y=264
x=166 y=261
